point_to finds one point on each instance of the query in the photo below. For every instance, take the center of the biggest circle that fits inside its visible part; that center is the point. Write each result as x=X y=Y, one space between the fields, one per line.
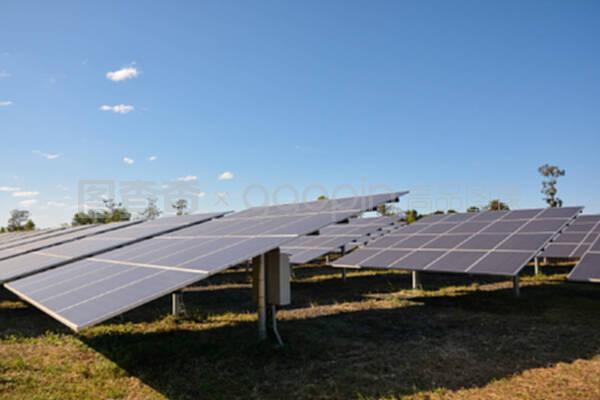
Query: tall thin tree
x=152 y=211
x=180 y=206
x=551 y=173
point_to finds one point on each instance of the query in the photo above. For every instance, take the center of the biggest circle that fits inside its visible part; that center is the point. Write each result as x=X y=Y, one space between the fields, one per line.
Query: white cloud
x=62 y=188
x=27 y=203
x=226 y=176
x=4 y=75
x=6 y=103
x=123 y=74
x=201 y=194
x=9 y=189
x=188 y=178
x=152 y=158
x=25 y=194
x=47 y=156
x=119 y=108
x=56 y=204
x=128 y=161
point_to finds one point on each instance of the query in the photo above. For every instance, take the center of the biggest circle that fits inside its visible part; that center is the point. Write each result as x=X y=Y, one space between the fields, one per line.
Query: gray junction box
x=277 y=279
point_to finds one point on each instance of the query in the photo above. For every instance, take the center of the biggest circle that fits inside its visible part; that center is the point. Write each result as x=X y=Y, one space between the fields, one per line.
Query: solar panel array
x=333 y=237
x=98 y=239
x=87 y=292
x=491 y=242
x=41 y=235
x=588 y=268
x=12 y=237
x=67 y=235
x=576 y=239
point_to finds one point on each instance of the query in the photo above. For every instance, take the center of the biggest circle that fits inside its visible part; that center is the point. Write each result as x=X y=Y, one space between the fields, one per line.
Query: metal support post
x=262 y=299
x=536 y=265
x=517 y=286
x=416 y=280
x=177 y=305
x=343 y=252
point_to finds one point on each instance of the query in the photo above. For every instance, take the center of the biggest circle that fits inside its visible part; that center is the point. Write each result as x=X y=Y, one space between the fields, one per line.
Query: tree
x=91 y=217
x=473 y=209
x=17 y=219
x=151 y=211
x=119 y=214
x=451 y=211
x=497 y=205
x=386 y=210
x=322 y=197
x=81 y=218
x=114 y=212
x=411 y=216
x=29 y=225
x=551 y=173
x=180 y=206
x=110 y=205
x=438 y=212
x=2 y=229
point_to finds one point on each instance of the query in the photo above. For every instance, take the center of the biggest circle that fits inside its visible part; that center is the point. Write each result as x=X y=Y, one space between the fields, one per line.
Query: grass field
x=369 y=337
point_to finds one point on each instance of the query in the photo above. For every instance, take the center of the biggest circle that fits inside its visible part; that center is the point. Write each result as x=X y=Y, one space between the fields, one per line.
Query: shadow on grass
x=426 y=341
x=434 y=342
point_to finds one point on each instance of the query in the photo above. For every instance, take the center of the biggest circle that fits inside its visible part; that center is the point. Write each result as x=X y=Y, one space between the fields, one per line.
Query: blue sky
x=458 y=102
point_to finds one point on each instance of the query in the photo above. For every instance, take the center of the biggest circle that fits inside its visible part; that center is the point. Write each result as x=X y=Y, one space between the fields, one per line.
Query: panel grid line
x=70 y=278
x=247 y=239
x=584 y=262
x=110 y=291
x=441 y=220
x=141 y=301
x=513 y=234
x=333 y=237
x=94 y=240
x=591 y=232
x=485 y=226
x=74 y=289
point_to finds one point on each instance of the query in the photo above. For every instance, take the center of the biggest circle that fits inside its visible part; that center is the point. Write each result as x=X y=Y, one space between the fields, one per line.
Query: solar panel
x=100 y=239
x=122 y=279
x=588 y=268
x=67 y=235
x=87 y=292
x=12 y=237
x=334 y=237
x=491 y=242
x=47 y=234
x=378 y=221
x=576 y=238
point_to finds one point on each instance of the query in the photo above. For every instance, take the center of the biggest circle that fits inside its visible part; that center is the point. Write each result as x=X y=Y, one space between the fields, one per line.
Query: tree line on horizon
x=20 y=220
x=549 y=173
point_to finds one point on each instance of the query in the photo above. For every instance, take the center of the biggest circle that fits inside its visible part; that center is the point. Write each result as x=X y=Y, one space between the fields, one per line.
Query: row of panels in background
x=340 y=237
x=493 y=242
